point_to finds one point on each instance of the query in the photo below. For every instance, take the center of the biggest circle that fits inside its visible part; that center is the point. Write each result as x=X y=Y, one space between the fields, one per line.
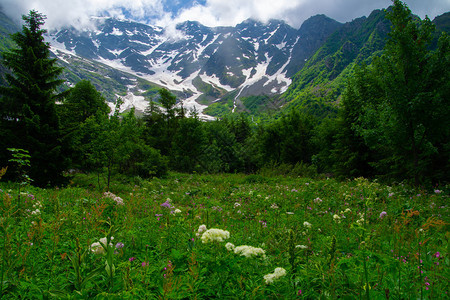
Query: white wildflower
x=215 y=235
x=229 y=246
x=279 y=272
x=249 y=251
x=336 y=218
x=301 y=246
x=274 y=206
x=98 y=247
x=307 y=224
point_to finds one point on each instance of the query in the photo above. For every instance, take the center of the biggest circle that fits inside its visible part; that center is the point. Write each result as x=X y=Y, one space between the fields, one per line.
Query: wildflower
x=99 y=247
x=274 y=206
x=437 y=191
x=383 y=214
x=317 y=200
x=176 y=211
x=391 y=194
x=437 y=254
x=289 y=213
x=215 y=235
x=144 y=264
x=229 y=246
x=36 y=212
x=360 y=221
x=347 y=210
x=307 y=224
x=119 y=245
x=249 y=251
x=201 y=228
x=279 y=272
x=117 y=199
x=337 y=218
x=301 y=247
x=132 y=258
x=166 y=204
x=237 y=204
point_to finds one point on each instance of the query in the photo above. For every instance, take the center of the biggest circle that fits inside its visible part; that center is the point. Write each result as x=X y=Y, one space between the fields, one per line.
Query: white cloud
x=78 y=12
x=214 y=12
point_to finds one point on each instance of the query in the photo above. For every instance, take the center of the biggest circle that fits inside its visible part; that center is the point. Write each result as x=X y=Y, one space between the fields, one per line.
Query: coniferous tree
x=29 y=118
x=403 y=99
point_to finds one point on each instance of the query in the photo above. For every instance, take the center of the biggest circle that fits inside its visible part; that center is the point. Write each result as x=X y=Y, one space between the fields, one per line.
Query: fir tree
x=29 y=118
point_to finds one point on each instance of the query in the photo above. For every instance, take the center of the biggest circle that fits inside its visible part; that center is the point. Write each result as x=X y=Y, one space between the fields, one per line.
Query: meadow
x=226 y=237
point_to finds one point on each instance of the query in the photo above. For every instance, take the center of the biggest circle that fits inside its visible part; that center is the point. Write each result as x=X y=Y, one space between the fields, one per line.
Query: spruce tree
x=29 y=118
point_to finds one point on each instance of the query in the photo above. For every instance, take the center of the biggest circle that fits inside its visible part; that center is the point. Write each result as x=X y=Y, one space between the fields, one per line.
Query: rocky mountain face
x=201 y=64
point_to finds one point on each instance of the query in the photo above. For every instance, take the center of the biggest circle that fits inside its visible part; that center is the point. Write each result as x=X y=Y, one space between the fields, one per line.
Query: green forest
x=378 y=166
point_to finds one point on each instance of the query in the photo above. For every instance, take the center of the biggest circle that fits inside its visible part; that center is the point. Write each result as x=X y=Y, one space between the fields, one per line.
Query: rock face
x=251 y=58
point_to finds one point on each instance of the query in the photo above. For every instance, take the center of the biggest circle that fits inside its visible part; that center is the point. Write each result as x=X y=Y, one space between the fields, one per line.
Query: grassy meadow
x=182 y=237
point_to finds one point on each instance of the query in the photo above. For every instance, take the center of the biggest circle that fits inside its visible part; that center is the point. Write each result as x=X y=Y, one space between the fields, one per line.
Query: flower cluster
x=215 y=235
x=36 y=208
x=307 y=224
x=230 y=246
x=175 y=211
x=249 y=251
x=117 y=199
x=270 y=278
x=167 y=203
x=201 y=229
x=337 y=218
x=98 y=247
x=383 y=214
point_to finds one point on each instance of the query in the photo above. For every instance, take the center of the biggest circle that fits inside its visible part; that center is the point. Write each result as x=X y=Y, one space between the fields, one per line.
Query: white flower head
x=201 y=228
x=98 y=247
x=229 y=246
x=215 y=235
x=249 y=251
x=307 y=224
x=301 y=247
x=278 y=272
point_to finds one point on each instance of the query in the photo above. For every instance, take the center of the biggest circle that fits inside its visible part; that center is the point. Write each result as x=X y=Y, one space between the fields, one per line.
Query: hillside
x=318 y=85
x=253 y=67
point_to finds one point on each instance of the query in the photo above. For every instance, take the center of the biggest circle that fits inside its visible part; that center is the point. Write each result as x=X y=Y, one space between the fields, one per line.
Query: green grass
x=344 y=250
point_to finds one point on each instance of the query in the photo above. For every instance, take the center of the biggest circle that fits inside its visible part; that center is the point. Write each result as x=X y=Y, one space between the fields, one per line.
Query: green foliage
x=29 y=118
x=348 y=239
x=404 y=101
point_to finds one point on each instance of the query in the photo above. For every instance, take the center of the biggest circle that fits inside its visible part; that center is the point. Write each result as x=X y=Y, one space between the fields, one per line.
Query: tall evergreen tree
x=29 y=118
x=404 y=99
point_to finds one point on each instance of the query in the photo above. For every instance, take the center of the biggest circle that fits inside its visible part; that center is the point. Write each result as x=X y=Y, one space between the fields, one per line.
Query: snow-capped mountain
x=200 y=62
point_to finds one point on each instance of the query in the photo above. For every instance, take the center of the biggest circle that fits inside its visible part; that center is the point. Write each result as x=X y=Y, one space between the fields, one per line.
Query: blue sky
x=209 y=12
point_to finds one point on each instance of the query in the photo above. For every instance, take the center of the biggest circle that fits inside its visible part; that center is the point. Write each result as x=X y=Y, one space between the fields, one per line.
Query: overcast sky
x=209 y=12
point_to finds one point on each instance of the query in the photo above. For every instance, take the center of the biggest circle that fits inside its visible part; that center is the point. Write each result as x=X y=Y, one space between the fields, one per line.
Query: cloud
x=295 y=12
x=209 y=12
x=79 y=12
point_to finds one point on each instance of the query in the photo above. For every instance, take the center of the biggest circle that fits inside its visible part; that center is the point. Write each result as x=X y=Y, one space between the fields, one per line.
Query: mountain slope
x=317 y=86
x=203 y=64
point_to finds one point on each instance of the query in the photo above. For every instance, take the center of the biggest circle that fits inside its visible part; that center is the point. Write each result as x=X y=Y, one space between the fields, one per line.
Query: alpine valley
x=253 y=67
